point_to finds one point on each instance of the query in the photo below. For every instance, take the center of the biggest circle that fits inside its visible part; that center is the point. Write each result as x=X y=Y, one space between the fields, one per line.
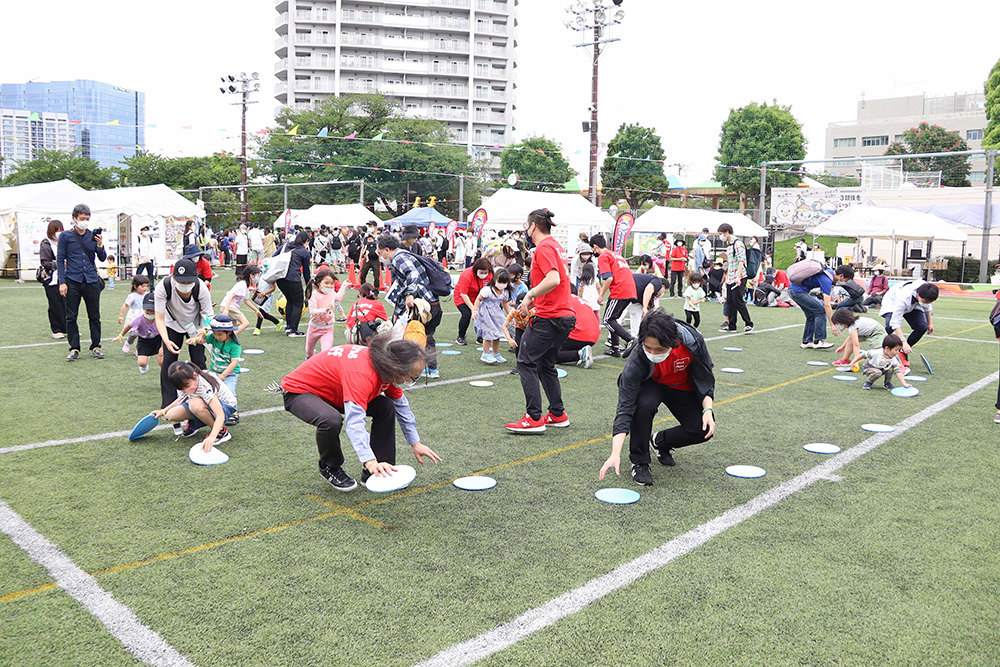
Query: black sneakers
x=224 y=436
x=641 y=474
x=460 y=341
x=365 y=476
x=664 y=457
x=748 y=328
x=338 y=479
x=188 y=431
x=631 y=345
x=234 y=420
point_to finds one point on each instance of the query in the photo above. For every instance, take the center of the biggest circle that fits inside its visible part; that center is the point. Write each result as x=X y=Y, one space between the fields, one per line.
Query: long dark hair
x=367 y=291
x=317 y=279
x=587 y=274
x=394 y=358
x=249 y=272
x=182 y=372
x=501 y=275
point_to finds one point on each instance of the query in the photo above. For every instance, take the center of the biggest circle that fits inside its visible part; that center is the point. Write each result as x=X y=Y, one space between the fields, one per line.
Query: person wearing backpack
x=291 y=285
x=412 y=279
x=182 y=303
x=817 y=312
x=736 y=279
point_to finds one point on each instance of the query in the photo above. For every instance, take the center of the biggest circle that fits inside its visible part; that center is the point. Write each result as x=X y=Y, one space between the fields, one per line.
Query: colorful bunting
x=351 y=135
x=34 y=116
x=324 y=132
x=293 y=131
x=377 y=137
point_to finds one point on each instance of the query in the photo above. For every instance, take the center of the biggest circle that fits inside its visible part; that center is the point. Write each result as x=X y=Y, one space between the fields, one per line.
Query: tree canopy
x=754 y=134
x=538 y=162
x=181 y=173
x=56 y=165
x=927 y=138
x=633 y=169
x=991 y=138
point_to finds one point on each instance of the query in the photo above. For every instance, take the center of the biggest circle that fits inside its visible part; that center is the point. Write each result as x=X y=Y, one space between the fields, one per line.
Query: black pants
x=57 y=309
x=537 y=355
x=266 y=316
x=241 y=263
x=692 y=316
x=90 y=293
x=329 y=419
x=168 y=393
x=677 y=277
x=464 y=320
x=874 y=300
x=373 y=266
x=612 y=312
x=147 y=267
x=292 y=289
x=686 y=408
x=429 y=328
x=737 y=304
x=569 y=353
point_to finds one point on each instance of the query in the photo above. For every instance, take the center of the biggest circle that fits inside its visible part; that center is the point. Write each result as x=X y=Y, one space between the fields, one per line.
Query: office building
x=451 y=60
x=882 y=122
x=91 y=107
x=24 y=133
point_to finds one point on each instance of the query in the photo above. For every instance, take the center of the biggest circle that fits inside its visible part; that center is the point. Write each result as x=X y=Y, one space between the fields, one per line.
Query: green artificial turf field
x=892 y=559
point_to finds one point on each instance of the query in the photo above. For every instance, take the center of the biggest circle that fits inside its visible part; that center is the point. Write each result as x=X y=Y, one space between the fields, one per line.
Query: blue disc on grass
x=144 y=426
x=916 y=378
x=817 y=363
x=745 y=471
x=845 y=378
x=450 y=352
x=617 y=496
x=905 y=392
x=443 y=344
x=479 y=349
x=733 y=349
x=878 y=428
x=561 y=372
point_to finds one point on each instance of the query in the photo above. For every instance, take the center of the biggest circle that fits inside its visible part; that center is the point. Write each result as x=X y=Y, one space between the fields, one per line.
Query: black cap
x=149 y=301
x=409 y=232
x=185 y=271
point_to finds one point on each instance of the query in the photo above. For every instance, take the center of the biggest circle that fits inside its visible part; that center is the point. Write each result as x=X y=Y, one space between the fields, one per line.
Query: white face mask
x=482 y=276
x=405 y=385
x=324 y=290
x=656 y=358
x=149 y=317
x=184 y=288
x=82 y=224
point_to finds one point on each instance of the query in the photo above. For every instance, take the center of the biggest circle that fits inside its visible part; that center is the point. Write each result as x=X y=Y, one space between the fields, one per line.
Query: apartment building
x=24 y=133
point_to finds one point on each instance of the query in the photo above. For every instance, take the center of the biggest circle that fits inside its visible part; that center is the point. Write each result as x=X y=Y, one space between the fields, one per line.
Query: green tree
x=182 y=173
x=390 y=167
x=754 y=134
x=991 y=138
x=56 y=165
x=545 y=171
x=633 y=169
x=927 y=138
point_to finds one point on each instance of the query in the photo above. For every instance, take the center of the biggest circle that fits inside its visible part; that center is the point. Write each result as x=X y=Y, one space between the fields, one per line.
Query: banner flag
x=622 y=229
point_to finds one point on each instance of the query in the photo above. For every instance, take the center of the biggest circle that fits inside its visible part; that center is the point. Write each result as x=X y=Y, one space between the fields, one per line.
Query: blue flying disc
x=927 y=364
x=561 y=372
x=821 y=448
x=450 y=352
x=845 y=378
x=443 y=344
x=617 y=496
x=916 y=378
x=878 y=428
x=144 y=426
x=475 y=483
x=745 y=471
x=905 y=392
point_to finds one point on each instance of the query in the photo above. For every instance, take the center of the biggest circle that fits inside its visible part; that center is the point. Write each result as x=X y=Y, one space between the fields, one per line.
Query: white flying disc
x=244 y=369
x=479 y=349
x=481 y=383
x=916 y=378
x=394 y=481
x=878 y=428
x=745 y=471
x=844 y=368
x=253 y=351
x=617 y=496
x=845 y=378
x=450 y=352
x=443 y=344
x=212 y=458
x=821 y=448
x=817 y=363
x=475 y=483
x=561 y=373
x=732 y=370
x=905 y=392
x=733 y=349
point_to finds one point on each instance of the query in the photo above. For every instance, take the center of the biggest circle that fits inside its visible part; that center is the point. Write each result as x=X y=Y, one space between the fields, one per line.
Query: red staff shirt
x=611 y=265
x=678 y=258
x=587 y=329
x=673 y=371
x=470 y=285
x=366 y=310
x=548 y=257
x=341 y=374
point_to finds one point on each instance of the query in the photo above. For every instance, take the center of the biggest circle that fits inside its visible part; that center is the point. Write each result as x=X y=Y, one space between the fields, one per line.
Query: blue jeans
x=815 y=313
x=230 y=381
x=195 y=423
x=917 y=319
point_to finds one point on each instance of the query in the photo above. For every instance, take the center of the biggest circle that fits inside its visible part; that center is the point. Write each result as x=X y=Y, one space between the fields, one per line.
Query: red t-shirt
x=203 y=268
x=781 y=279
x=548 y=257
x=366 y=310
x=343 y=373
x=678 y=258
x=622 y=284
x=470 y=285
x=673 y=371
x=587 y=329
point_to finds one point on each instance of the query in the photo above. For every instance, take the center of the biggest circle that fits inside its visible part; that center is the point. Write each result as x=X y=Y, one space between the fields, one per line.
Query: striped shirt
x=410 y=279
x=737 y=270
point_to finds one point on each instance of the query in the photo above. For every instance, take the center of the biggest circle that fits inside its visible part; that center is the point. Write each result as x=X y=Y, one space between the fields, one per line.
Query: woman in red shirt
x=365 y=311
x=678 y=266
x=554 y=319
x=347 y=383
x=577 y=348
x=470 y=284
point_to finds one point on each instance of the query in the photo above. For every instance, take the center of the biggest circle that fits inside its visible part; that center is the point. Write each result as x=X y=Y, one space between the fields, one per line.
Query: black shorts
x=148 y=347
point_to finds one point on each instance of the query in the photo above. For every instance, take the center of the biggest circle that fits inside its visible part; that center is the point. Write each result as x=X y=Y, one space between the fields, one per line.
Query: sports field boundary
x=534 y=620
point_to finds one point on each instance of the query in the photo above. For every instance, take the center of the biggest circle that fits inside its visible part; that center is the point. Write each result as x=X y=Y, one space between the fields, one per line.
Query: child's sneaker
x=866 y=385
x=487 y=358
x=843 y=361
x=224 y=436
x=126 y=348
x=256 y=332
x=890 y=386
x=498 y=359
x=143 y=370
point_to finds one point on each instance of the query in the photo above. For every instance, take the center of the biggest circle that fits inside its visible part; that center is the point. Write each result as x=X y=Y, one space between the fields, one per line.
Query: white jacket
x=900 y=300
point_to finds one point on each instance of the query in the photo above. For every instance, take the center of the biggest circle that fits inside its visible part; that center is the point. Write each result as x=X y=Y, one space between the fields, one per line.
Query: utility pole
x=247 y=85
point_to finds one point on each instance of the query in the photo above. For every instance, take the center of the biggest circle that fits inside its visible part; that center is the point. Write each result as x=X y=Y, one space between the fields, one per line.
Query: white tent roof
x=873 y=222
x=51 y=197
x=152 y=200
x=508 y=209
x=663 y=219
x=333 y=215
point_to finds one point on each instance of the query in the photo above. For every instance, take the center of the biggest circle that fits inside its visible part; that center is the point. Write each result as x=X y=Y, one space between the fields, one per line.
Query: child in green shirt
x=225 y=350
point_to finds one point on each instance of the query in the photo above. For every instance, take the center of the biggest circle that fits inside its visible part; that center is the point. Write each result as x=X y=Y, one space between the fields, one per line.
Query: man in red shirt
x=619 y=284
x=577 y=348
x=554 y=320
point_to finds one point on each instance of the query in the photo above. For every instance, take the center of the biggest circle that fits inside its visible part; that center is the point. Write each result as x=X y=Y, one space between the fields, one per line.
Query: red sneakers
x=558 y=422
x=527 y=425
x=843 y=361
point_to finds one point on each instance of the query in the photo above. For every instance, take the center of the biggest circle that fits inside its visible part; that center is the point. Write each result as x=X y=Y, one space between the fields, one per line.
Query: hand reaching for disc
x=612 y=462
x=420 y=450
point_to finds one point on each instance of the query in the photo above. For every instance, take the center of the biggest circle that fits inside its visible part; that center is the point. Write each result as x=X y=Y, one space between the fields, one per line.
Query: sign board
x=808 y=207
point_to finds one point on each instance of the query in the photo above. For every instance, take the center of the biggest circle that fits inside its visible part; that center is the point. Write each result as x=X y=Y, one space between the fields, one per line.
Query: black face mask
x=528 y=243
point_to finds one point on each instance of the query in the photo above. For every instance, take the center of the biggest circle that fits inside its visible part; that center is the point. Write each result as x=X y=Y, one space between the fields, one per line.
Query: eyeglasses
x=411 y=379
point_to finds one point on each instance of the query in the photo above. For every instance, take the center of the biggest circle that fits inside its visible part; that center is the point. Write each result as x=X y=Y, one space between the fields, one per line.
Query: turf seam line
x=967 y=340
x=925 y=342
x=139 y=639
x=493 y=641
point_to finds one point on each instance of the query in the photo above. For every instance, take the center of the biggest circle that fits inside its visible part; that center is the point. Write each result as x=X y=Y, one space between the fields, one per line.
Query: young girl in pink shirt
x=323 y=297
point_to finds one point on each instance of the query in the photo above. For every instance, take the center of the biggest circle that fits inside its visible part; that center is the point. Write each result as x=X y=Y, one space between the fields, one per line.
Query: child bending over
x=882 y=363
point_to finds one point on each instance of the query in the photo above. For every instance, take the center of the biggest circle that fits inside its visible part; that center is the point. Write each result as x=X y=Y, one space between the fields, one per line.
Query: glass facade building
x=90 y=107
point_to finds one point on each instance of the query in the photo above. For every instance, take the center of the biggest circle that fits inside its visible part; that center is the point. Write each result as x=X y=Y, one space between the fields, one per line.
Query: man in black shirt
x=371 y=262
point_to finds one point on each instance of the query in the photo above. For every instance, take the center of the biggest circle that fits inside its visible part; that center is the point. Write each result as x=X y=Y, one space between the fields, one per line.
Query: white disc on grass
x=443 y=344
x=817 y=363
x=745 y=471
x=481 y=383
x=916 y=378
x=732 y=370
x=733 y=349
x=253 y=351
x=561 y=372
x=475 y=483
x=212 y=458
x=878 y=428
x=394 y=481
x=821 y=448
x=845 y=378
x=617 y=496
x=244 y=369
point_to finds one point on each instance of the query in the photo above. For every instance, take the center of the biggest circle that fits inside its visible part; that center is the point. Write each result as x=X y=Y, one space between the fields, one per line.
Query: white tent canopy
x=331 y=215
x=151 y=201
x=897 y=224
x=663 y=219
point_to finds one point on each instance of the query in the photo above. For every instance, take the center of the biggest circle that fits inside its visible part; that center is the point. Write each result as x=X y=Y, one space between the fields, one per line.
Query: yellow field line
x=733 y=384
x=352 y=511
x=608 y=365
x=931 y=340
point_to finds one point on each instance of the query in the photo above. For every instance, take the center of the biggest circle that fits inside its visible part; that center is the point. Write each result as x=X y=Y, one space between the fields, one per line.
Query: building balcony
x=486 y=27
x=448 y=68
x=362 y=17
x=493 y=7
x=450 y=23
x=498 y=95
x=309 y=38
x=302 y=106
x=495 y=118
x=281 y=23
x=359 y=39
x=308 y=85
x=349 y=62
x=397 y=21
x=281 y=46
x=461 y=4
x=281 y=68
x=281 y=91
x=357 y=87
x=494 y=51
x=488 y=72
x=315 y=16
x=459 y=92
x=449 y=114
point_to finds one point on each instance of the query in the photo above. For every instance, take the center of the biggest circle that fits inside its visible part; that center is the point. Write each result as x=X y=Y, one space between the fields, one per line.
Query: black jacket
x=47 y=255
x=298 y=265
x=639 y=368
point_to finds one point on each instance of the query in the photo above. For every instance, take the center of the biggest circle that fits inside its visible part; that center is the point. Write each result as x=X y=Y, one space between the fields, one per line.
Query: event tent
x=331 y=215
x=664 y=219
x=421 y=217
x=26 y=210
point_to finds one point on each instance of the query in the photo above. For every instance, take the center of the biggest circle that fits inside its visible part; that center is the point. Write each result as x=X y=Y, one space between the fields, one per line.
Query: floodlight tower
x=600 y=17
x=242 y=85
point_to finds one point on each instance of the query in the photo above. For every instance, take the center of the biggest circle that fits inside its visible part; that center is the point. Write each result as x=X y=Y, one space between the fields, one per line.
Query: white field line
x=967 y=340
x=262 y=411
x=140 y=640
x=539 y=618
x=958 y=319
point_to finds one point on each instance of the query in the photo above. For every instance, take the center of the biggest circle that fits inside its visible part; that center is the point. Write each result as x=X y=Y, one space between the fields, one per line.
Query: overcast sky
x=679 y=67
